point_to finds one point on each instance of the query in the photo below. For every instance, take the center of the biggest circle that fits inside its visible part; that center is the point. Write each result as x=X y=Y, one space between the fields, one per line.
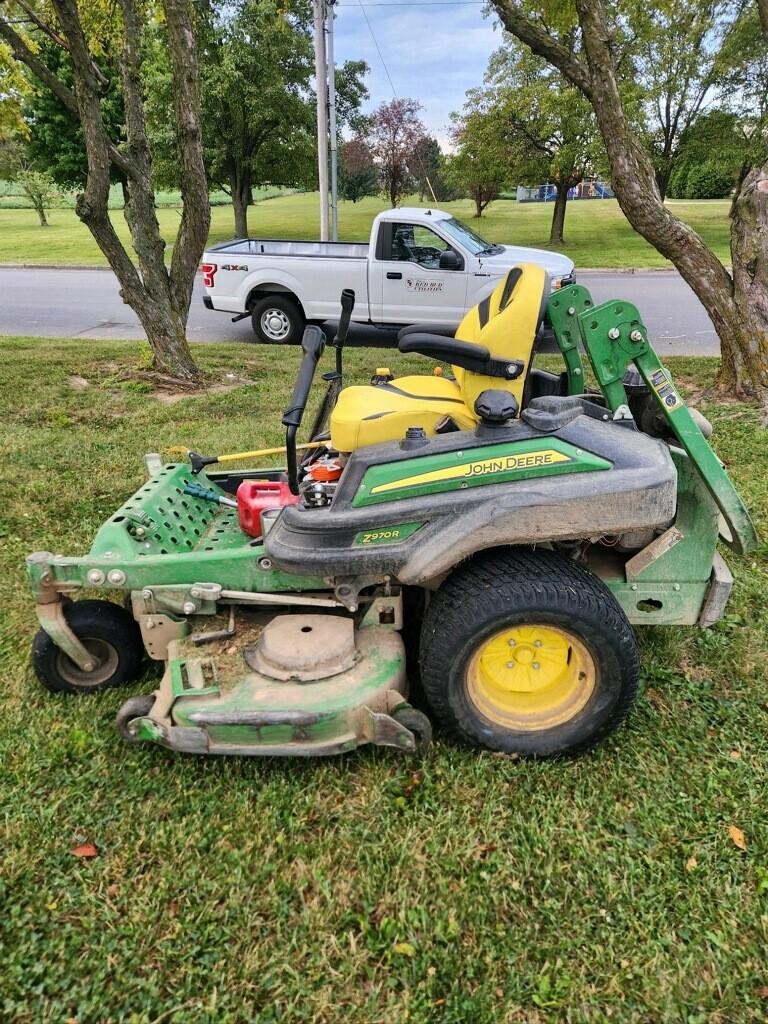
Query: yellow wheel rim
x=531 y=677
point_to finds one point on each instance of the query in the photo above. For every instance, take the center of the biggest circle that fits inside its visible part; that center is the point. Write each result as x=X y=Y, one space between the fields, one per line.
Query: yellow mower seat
x=383 y=412
x=506 y=323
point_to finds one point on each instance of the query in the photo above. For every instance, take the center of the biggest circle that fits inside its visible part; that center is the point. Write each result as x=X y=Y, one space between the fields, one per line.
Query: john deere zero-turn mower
x=503 y=526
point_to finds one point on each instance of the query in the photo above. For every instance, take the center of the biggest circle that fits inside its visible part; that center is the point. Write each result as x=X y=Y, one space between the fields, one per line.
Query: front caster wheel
x=135 y=707
x=417 y=723
x=109 y=633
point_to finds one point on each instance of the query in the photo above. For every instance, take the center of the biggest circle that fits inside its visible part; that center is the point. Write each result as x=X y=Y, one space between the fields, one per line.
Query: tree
x=428 y=169
x=159 y=295
x=358 y=176
x=717 y=138
x=480 y=165
x=544 y=126
x=672 y=48
x=581 y=46
x=258 y=107
x=55 y=142
x=14 y=89
x=36 y=185
x=395 y=133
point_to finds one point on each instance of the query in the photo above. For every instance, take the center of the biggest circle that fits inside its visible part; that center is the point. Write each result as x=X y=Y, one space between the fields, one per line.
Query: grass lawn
x=469 y=889
x=597 y=233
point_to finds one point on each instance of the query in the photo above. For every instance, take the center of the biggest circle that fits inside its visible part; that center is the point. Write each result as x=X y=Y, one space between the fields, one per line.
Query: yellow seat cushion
x=383 y=412
x=506 y=322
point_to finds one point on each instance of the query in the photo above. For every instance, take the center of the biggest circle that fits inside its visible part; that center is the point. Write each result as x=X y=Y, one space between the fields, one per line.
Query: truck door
x=414 y=288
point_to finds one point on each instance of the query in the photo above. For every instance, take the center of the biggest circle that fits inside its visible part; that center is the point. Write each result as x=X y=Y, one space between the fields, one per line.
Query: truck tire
x=527 y=653
x=277 y=320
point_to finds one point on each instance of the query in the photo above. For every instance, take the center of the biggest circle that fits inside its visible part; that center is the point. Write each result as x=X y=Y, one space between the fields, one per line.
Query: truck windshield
x=469 y=238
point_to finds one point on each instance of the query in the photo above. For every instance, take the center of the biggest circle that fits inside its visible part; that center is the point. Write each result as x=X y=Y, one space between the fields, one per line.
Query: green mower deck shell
x=215 y=703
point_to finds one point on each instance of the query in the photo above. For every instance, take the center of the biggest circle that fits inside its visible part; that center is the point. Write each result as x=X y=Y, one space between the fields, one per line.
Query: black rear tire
x=512 y=592
x=109 y=632
x=277 y=320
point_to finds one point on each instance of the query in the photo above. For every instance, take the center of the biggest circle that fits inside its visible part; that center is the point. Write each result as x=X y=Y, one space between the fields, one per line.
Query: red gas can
x=254 y=496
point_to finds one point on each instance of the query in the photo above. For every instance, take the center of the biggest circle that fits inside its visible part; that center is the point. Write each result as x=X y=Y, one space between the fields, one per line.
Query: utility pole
x=321 y=85
x=332 y=122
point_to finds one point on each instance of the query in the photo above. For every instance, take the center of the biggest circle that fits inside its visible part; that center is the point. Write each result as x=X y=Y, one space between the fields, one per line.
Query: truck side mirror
x=450 y=260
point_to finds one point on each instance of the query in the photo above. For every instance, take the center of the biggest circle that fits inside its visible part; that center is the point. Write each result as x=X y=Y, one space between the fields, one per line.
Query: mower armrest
x=439 y=329
x=466 y=354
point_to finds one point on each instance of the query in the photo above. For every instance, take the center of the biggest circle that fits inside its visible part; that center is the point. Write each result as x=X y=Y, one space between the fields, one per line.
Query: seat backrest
x=507 y=323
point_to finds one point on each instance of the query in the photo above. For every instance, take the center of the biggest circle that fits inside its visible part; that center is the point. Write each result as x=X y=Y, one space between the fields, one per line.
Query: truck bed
x=295 y=247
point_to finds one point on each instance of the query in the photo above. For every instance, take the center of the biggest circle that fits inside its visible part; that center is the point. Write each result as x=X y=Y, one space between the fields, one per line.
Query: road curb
x=53 y=266
x=579 y=270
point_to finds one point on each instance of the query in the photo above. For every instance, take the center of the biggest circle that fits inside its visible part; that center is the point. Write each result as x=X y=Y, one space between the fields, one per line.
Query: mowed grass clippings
x=370 y=888
x=597 y=234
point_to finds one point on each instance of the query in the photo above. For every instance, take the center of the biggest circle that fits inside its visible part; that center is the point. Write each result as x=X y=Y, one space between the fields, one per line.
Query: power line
x=378 y=48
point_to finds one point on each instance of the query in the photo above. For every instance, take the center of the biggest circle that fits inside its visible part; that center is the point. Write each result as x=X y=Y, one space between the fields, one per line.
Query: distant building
x=591 y=188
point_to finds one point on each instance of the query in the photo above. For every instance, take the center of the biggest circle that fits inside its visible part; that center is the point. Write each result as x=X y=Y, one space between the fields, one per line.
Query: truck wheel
x=111 y=635
x=277 y=320
x=527 y=653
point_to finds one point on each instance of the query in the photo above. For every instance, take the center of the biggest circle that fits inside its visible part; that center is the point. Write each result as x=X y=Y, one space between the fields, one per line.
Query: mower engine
x=321 y=480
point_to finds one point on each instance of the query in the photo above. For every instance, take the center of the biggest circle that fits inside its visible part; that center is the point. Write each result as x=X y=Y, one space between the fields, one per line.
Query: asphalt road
x=85 y=304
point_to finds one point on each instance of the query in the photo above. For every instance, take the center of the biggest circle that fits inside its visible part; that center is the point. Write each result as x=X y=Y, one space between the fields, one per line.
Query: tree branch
x=196 y=214
x=22 y=53
x=140 y=206
x=54 y=36
x=62 y=92
x=544 y=44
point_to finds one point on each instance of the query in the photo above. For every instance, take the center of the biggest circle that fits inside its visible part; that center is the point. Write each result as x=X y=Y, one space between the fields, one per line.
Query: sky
x=434 y=51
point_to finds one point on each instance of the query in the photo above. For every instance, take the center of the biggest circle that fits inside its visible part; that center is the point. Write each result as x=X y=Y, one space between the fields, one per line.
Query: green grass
x=597 y=233
x=12 y=197
x=470 y=889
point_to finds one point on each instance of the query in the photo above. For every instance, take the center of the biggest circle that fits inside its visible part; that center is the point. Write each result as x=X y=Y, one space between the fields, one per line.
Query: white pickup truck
x=421 y=266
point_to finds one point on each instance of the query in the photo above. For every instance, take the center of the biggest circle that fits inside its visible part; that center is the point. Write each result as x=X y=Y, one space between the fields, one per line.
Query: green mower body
x=293 y=643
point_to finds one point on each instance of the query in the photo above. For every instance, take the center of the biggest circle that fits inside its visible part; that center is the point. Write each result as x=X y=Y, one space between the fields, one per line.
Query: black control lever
x=312 y=344
x=347 y=305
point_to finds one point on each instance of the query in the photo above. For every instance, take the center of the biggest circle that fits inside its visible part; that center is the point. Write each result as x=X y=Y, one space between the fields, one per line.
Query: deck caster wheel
x=417 y=723
x=108 y=632
x=135 y=707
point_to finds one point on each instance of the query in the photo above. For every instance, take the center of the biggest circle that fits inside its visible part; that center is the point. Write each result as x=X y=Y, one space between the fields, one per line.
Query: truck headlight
x=561 y=282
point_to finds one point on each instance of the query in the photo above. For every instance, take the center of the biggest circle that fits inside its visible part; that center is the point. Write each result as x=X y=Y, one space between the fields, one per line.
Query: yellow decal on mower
x=485 y=467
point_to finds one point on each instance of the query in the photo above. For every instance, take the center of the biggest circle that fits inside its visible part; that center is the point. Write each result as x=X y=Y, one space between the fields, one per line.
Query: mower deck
x=338 y=688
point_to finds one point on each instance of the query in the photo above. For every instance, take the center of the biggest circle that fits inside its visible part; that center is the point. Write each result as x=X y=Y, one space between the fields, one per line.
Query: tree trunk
x=558 y=215
x=160 y=298
x=240 y=188
x=662 y=181
x=738 y=306
x=745 y=362
x=40 y=210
